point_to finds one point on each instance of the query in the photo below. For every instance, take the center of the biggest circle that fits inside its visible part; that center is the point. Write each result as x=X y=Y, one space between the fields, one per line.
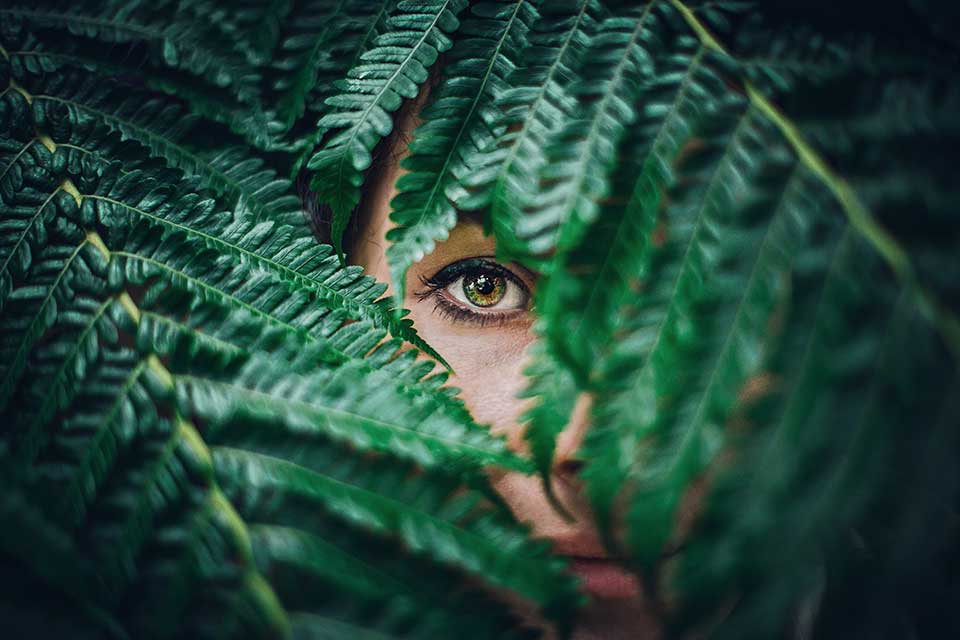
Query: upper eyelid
x=488 y=261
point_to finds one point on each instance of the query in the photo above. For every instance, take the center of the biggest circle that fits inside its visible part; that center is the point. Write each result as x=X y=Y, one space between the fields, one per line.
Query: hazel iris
x=484 y=289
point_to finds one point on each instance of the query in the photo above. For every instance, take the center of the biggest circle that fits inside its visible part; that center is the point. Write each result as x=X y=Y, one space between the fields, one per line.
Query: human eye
x=478 y=291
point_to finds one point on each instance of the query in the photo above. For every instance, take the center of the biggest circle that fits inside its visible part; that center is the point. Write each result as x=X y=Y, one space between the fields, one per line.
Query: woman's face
x=475 y=312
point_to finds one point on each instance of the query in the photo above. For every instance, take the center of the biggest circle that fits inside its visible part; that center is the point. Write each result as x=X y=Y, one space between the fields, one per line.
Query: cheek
x=488 y=365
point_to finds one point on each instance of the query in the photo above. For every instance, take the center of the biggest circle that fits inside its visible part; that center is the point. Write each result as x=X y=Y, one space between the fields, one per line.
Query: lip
x=601 y=575
x=604 y=578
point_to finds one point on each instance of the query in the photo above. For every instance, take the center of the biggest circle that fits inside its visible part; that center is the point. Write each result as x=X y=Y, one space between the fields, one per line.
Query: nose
x=567 y=461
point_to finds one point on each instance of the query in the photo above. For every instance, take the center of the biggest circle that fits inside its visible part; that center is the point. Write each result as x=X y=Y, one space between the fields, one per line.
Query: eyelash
x=436 y=284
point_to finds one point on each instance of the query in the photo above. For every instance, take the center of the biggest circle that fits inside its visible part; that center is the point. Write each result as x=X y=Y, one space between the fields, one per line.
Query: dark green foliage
x=744 y=217
x=392 y=69
x=727 y=244
x=314 y=26
x=460 y=120
x=203 y=413
x=575 y=173
x=193 y=46
x=533 y=106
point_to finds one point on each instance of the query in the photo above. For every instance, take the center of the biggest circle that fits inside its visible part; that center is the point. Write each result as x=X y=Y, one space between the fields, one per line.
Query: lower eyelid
x=458 y=313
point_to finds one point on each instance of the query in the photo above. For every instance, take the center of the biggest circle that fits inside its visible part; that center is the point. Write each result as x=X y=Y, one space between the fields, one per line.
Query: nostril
x=569 y=467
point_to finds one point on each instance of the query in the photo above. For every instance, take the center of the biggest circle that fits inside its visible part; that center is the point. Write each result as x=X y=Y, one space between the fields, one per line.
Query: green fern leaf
x=421 y=533
x=302 y=51
x=32 y=309
x=840 y=453
x=298 y=558
x=162 y=128
x=391 y=70
x=562 y=299
x=345 y=54
x=455 y=127
x=580 y=157
x=375 y=418
x=29 y=209
x=555 y=391
x=253 y=26
x=185 y=43
x=538 y=100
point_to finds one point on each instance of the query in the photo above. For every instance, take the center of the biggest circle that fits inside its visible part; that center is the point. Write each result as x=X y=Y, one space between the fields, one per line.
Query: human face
x=475 y=312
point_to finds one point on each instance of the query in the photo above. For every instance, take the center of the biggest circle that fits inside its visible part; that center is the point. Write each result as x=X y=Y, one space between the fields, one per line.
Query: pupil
x=484 y=285
x=484 y=290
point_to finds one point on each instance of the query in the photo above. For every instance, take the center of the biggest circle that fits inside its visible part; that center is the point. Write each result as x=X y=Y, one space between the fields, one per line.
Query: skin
x=489 y=357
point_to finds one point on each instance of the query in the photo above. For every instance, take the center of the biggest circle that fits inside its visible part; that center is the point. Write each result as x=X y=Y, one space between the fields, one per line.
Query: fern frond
x=477 y=552
x=87 y=326
x=297 y=558
x=302 y=50
x=28 y=191
x=853 y=206
x=32 y=309
x=31 y=57
x=580 y=156
x=376 y=417
x=273 y=251
x=615 y=60
x=184 y=43
x=345 y=53
x=846 y=443
x=393 y=69
x=580 y=315
x=456 y=126
x=78 y=111
x=119 y=408
x=537 y=102
x=37 y=543
x=253 y=26
x=741 y=294
x=555 y=391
